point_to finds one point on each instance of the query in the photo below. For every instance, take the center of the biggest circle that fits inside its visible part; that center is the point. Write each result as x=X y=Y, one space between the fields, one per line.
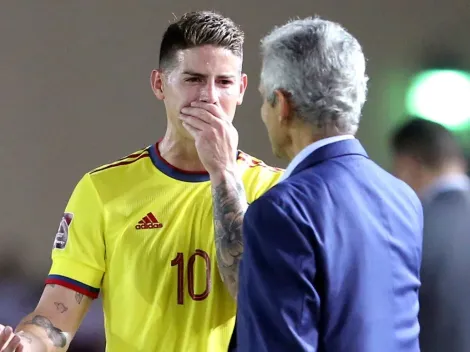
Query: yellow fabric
x=160 y=286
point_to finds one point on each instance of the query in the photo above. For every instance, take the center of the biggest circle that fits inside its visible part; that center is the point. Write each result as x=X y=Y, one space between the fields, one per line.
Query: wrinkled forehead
x=209 y=61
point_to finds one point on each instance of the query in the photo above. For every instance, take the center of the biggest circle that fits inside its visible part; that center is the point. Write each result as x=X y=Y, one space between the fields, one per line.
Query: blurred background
x=75 y=94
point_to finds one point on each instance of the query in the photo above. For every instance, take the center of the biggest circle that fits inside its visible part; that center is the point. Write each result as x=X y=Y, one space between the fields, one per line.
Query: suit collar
x=304 y=153
x=330 y=151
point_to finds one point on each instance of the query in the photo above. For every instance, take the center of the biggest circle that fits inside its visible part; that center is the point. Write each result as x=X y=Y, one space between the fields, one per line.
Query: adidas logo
x=149 y=221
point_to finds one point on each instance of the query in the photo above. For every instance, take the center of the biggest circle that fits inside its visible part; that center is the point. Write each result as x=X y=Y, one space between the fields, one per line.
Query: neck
x=180 y=152
x=302 y=134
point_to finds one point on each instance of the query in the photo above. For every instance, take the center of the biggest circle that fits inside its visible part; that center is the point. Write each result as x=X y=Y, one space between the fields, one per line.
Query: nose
x=208 y=93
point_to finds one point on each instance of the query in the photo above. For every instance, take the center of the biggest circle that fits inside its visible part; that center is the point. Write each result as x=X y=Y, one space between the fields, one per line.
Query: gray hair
x=321 y=67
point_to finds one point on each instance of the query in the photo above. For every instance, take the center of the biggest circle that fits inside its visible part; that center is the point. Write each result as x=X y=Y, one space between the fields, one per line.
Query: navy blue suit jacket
x=331 y=259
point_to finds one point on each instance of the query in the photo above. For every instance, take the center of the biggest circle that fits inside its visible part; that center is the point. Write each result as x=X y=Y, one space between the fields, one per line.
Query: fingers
x=192 y=131
x=211 y=108
x=14 y=344
x=5 y=332
x=20 y=348
x=209 y=113
x=199 y=113
x=203 y=120
x=9 y=342
x=194 y=122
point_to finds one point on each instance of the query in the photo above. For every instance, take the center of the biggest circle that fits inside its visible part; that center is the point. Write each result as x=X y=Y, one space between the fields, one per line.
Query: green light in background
x=442 y=96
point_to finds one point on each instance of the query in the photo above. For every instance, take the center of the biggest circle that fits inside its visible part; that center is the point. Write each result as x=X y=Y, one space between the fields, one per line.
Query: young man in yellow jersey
x=141 y=230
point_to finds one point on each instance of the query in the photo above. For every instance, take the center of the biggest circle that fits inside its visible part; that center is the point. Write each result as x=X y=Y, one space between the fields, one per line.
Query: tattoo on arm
x=229 y=208
x=25 y=337
x=78 y=297
x=62 y=308
x=57 y=336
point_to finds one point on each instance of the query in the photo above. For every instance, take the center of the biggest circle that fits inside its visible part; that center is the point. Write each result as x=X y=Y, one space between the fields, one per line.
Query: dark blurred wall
x=74 y=89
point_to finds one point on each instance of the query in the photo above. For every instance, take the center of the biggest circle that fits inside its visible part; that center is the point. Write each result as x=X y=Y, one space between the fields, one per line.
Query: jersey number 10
x=180 y=263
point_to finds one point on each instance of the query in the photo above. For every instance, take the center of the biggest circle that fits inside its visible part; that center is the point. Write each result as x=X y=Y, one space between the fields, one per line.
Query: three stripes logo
x=149 y=221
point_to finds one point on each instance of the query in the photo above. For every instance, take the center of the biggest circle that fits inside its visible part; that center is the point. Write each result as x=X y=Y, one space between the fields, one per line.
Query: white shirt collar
x=304 y=153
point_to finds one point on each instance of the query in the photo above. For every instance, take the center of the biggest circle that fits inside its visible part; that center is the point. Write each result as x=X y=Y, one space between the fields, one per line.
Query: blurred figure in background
x=429 y=159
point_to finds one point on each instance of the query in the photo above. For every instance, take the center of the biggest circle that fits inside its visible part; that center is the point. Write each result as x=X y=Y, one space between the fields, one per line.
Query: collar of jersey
x=174 y=172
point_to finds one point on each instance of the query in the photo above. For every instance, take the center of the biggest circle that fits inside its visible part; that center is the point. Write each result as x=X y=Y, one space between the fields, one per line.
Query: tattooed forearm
x=62 y=308
x=57 y=336
x=230 y=204
x=32 y=342
x=78 y=297
x=25 y=337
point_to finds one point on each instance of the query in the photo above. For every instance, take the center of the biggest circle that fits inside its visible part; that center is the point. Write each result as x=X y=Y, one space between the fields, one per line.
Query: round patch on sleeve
x=62 y=235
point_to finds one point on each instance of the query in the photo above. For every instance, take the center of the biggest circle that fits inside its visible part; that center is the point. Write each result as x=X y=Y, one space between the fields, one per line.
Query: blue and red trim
x=174 y=172
x=124 y=161
x=72 y=284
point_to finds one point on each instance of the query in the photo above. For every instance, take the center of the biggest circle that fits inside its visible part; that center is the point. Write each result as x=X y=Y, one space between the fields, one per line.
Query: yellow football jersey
x=141 y=232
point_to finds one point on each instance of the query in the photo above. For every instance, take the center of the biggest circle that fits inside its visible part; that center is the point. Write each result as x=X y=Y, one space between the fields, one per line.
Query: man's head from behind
x=423 y=151
x=201 y=57
x=313 y=77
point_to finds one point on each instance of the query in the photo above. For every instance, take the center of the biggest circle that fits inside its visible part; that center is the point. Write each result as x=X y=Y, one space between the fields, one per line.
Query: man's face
x=208 y=74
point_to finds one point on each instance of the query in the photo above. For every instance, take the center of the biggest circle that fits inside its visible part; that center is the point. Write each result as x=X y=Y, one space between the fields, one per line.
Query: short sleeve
x=257 y=176
x=78 y=254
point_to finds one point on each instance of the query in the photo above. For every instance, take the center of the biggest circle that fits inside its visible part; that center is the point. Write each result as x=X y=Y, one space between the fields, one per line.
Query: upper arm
x=78 y=255
x=276 y=281
x=78 y=265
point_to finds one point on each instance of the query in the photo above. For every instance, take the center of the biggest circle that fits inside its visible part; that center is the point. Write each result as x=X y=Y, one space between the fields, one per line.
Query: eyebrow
x=196 y=74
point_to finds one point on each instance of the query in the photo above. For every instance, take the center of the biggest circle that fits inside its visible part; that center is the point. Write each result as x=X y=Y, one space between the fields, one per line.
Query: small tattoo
x=78 y=297
x=61 y=307
x=52 y=285
x=25 y=337
x=56 y=335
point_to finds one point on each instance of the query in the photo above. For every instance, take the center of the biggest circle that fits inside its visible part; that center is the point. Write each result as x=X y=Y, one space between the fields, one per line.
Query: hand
x=215 y=137
x=9 y=341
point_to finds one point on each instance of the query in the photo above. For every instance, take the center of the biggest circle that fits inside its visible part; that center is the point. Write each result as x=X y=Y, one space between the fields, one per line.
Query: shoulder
x=257 y=176
x=109 y=180
x=454 y=203
x=121 y=164
x=249 y=162
x=402 y=190
x=285 y=197
x=302 y=186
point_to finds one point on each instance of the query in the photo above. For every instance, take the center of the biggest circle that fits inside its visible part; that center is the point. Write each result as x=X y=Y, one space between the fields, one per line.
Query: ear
x=156 y=82
x=283 y=107
x=243 y=85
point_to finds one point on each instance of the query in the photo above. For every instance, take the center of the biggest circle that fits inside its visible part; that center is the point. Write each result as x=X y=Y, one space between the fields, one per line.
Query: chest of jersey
x=161 y=263
x=165 y=231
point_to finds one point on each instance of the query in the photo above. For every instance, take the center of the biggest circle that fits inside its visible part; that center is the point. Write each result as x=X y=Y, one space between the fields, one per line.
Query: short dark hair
x=199 y=28
x=428 y=142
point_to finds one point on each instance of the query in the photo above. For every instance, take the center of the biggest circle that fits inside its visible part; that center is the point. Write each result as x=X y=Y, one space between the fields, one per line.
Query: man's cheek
x=232 y=91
